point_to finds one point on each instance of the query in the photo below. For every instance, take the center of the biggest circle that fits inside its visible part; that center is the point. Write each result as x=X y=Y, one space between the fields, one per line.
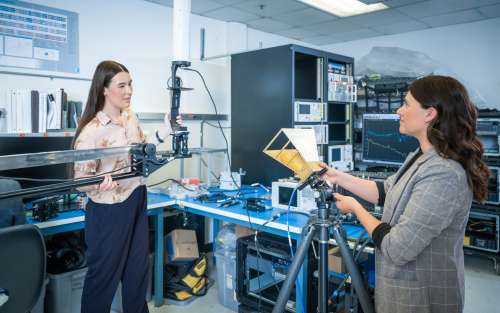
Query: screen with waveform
x=383 y=144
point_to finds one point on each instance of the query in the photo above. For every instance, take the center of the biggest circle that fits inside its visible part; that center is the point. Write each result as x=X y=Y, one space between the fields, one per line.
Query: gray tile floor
x=481 y=283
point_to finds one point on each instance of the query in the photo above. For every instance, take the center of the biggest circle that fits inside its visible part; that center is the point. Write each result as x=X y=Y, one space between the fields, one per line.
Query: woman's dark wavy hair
x=453 y=131
x=103 y=74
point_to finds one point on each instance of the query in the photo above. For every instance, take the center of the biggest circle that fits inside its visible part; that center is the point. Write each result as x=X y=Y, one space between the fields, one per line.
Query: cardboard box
x=335 y=262
x=181 y=245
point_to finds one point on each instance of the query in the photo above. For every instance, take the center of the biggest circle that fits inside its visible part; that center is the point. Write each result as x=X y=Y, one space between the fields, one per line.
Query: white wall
x=470 y=50
x=138 y=34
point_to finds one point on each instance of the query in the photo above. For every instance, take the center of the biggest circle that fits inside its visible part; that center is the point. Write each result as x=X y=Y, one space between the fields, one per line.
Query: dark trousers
x=117 y=250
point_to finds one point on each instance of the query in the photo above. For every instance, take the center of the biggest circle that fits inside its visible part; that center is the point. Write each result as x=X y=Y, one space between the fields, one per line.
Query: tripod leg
x=293 y=271
x=356 y=278
x=323 y=270
x=301 y=292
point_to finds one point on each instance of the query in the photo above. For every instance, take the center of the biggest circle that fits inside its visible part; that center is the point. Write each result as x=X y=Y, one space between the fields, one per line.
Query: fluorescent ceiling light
x=345 y=8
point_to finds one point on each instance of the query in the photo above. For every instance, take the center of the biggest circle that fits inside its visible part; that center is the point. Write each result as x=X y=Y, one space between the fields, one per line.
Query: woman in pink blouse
x=116 y=225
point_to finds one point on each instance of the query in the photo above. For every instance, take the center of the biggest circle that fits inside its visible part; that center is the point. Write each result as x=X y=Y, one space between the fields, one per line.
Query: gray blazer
x=420 y=264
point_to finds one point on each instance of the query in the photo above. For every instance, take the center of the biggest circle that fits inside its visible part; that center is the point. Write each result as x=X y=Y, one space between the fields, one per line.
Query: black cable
x=225 y=127
x=218 y=122
x=360 y=250
x=173 y=180
x=211 y=172
x=357 y=242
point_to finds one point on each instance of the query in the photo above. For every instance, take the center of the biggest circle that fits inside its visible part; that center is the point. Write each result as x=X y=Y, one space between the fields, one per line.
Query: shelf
x=306 y=100
x=338 y=142
x=45 y=75
x=338 y=122
x=311 y=123
x=340 y=102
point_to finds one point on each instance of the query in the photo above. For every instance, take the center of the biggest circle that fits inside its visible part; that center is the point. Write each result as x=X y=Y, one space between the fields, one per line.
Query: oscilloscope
x=383 y=144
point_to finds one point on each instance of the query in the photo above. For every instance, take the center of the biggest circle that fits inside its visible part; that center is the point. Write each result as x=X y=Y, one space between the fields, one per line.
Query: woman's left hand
x=346 y=204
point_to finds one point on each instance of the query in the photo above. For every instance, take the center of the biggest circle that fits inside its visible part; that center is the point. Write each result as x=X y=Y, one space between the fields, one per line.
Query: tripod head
x=324 y=196
x=314 y=180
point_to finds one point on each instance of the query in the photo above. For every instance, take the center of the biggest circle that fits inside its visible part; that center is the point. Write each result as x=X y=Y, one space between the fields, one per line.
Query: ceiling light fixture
x=344 y=8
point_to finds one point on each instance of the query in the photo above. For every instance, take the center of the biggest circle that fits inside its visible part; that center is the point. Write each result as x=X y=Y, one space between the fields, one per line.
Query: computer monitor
x=19 y=145
x=383 y=144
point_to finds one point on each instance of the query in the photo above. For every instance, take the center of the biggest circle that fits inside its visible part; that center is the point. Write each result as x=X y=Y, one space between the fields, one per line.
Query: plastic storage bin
x=64 y=292
x=226 y=278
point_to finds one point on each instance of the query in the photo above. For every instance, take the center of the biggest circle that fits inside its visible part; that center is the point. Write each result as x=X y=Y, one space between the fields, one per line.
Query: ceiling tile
x=390 y=16
x=202 y=6
x=439 y=7
x=296 y=33
x=268 y=25
x=320 y=40
x=230 y=14
x=305 y=17
x=490 y=11
x=270 y=7
x=340 y=25
x=397 y=28
x=453 y=18
x=167 y=3
x=357 y=34
x=398 y=3
x=229 y=2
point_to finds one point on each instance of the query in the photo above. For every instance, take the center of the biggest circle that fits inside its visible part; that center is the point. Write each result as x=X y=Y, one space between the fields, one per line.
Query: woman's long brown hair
x=103 y=74
x=453 y=132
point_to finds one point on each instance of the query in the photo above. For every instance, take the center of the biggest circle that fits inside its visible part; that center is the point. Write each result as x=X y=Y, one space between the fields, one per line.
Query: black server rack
x=482 y=234
x=267 y=86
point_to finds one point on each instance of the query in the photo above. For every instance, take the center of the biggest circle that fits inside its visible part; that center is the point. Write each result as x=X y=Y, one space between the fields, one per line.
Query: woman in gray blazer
x=419 y=256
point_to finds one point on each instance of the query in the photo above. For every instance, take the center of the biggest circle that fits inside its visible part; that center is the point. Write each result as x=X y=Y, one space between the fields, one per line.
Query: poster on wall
x=38 y=37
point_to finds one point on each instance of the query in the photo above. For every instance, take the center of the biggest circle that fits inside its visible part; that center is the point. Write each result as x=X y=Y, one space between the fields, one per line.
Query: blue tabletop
x=236 y=213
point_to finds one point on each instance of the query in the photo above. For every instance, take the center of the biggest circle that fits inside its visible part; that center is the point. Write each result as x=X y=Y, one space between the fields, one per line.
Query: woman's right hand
x=107 y=183
x=331 y=175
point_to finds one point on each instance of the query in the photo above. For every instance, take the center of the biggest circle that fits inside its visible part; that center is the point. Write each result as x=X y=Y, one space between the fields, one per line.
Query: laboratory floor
x=481 y=294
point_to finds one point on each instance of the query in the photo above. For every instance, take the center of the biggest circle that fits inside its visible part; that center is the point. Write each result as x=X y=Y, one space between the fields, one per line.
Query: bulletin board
x=38 y=37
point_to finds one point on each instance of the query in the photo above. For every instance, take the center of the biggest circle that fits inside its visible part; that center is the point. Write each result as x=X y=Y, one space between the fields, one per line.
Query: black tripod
x=319 y=225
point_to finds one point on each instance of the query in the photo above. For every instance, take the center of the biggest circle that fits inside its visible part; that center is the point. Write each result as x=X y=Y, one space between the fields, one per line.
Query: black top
x=383 y=228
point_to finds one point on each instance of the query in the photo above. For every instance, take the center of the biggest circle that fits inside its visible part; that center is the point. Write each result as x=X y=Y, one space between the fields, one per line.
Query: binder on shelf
x=42 y=112
x=35 y=111
x=27 y=127
x=74 y=113
x=64 y=108
x=3 y=111
x=11 y=115
x=51 y=112
x=16 y=107
x=31 y=111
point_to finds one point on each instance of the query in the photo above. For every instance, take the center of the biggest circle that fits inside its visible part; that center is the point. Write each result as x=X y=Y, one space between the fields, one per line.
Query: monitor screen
x=383 y=144
x=284 y=196
x=335 y=155
x=304 y=109
x=19 y=145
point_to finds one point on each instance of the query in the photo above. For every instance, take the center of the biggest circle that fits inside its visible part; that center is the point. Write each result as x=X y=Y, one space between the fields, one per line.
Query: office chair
x=22 y=268
x=11 y=210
